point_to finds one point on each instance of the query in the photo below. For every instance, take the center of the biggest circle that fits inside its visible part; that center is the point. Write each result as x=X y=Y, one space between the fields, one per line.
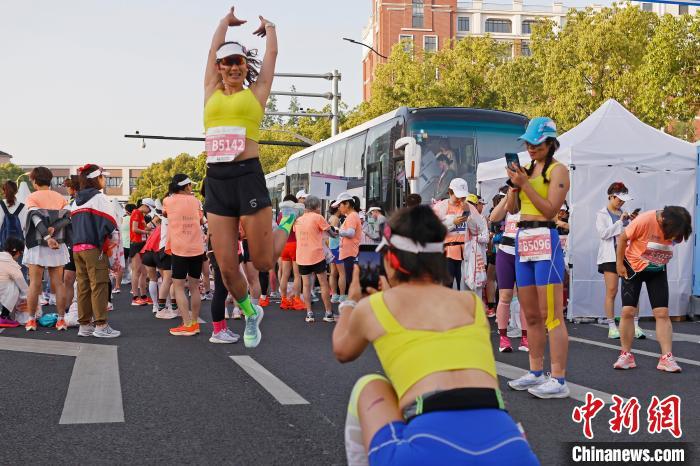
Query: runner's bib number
x=658 y=254
x=511 y=228
x=535 y=245
x=563 y=241
x=224 y=143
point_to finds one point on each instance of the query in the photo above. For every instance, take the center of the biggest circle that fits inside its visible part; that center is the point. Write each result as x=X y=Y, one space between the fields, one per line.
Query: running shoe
x=504 y=345
x=231 y=332
x=148 y=301
x=30 y=325
x=667 y=363
x=314 y=297
x=106 y=332
x=116 y=291
x=252 y=334
x=550 y=389
x=223 y=336
x=275 y=295
x=613 y=333
x=490 y=313
x=329 y=317
x=61 y=325
x=8 y=323
x=335 y=298
x=154 y=309
x=43 y=300
x=625 y=361
x=183 y=331
x=195 y=328
x=286 y=304
x=110 y=306
x=309 y=317
x=237 y=313
x=289 y=208
x=342 y=298
x=86 y=330
x=264 y=302
x=208 y=295
x=298 y=304
x=639 y=333
x=52 y=300
x=527 y=381
x=137 y=301
x=166 y=313
x=524 y=345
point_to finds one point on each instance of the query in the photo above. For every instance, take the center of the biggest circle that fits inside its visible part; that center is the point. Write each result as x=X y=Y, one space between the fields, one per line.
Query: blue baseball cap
x=539 y=129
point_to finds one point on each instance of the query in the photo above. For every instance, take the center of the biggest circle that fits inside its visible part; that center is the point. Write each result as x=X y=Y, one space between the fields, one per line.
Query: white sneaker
x=86 y=330
x=155 y=308
x=550 y=389
x=527 y=381
x=110 y=306
x=166 y=313
x=106 y=332
x=52 y=300
x=223 y=336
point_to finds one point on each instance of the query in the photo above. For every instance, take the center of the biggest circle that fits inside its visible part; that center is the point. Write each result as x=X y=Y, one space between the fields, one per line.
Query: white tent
x=659 y=169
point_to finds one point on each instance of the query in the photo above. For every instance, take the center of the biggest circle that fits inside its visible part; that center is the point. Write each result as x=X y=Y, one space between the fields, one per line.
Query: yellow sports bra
x=238 y=109
x=541 y=188
x=407 y=355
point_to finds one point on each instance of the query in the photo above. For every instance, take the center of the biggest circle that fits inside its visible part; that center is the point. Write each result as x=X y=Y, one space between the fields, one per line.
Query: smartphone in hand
x=371 y=267
x=512 y=161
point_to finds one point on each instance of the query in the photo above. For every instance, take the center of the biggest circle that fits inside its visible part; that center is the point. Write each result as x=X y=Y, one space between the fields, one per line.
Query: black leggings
x=218 y=302
x=454 y=268
x=264 y=282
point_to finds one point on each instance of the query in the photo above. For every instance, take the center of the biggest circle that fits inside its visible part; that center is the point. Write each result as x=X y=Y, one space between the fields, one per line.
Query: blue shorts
x=452 y=437
x=336 y=254
x=541 y=273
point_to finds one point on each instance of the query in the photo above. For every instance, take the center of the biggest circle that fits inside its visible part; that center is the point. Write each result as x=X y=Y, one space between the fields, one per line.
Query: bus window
x=292 y=176
x=354 y=156
x=337 y=166
x=319 y=156
x=304 y=170
x=380 y=141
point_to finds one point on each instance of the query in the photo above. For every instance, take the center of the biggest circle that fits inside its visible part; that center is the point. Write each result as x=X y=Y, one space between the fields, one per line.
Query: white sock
x=636 y=322
x=153 y=290
x=611 y=323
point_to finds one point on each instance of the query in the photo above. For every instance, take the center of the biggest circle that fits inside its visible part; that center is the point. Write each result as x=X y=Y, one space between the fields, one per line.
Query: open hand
x=261 y=31
x=231 y=19
x=517 y=175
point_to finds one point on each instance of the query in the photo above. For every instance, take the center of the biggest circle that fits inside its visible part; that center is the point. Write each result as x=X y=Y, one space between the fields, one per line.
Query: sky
x=76 y=76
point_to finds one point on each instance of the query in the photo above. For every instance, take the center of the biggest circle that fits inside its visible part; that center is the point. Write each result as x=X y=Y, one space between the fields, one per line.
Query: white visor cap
x=230 y=49
x=624 y=197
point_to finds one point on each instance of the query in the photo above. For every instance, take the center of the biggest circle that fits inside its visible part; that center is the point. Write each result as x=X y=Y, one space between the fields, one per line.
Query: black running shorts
x=184 y=267
x=148 y=259
x=315 y=268
x=163 y=260
x=235 y=189
x=135 y=248
x=657 y=288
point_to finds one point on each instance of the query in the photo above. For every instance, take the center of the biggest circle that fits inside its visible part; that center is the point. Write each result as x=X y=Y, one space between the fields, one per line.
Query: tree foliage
x=154 y=180
x=9 y=171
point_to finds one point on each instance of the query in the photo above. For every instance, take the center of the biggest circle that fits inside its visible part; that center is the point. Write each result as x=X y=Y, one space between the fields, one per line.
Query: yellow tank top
x=541 y=188
x=239 y=109
x=407 y=355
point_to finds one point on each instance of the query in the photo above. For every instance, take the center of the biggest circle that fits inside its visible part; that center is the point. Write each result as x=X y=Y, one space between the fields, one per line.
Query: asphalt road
x=185 y=401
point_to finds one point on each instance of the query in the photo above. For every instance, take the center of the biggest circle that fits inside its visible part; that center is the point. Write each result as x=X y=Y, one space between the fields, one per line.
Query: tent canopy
x=611 y=136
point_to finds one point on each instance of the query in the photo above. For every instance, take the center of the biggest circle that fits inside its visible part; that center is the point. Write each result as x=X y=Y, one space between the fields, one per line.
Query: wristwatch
x=270 y=25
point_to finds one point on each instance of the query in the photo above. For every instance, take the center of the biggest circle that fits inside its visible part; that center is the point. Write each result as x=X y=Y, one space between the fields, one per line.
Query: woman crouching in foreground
x=441 y=402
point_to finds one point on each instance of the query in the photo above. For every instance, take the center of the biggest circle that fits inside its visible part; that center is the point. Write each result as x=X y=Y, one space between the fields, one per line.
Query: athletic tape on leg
x=354 y=447
x=552 y=322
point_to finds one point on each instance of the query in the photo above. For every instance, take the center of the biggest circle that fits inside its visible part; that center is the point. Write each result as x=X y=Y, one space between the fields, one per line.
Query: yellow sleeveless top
x=541 y=188
x=407 y=355
x=238 y=109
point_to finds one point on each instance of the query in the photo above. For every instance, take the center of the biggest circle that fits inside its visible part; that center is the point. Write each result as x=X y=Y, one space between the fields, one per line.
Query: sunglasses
x=232 y=60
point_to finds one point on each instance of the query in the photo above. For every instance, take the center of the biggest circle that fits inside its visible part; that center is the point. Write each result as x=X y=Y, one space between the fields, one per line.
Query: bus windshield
x=452 y=148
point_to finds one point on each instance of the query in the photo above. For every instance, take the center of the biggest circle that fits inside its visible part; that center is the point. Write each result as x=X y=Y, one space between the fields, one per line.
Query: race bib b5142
x=224 y=143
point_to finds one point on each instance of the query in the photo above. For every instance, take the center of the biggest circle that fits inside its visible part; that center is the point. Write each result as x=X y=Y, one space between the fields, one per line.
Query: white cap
x=624 y=197
x=149 y=202
x=302 y=194
x=459 y=187
x=230 y=49
x=344 y=196
x=372 y=209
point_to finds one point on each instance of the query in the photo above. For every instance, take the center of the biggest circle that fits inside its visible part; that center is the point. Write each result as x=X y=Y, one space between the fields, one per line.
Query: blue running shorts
x=541 y=273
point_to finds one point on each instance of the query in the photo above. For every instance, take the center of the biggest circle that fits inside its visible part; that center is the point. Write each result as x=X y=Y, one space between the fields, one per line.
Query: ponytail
x=356 y=203
x=9 y=189
x=553 y=146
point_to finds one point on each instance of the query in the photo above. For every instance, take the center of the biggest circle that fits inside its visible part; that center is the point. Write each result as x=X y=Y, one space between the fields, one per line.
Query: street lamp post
x=365 y=45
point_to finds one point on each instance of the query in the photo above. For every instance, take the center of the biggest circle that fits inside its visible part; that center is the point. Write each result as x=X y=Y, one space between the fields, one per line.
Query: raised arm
x=499 y=212
x=212 y=79
x=263 y=85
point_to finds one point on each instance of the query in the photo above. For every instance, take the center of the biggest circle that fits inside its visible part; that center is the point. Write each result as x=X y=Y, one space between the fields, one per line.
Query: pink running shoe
x=667 y=363
x=625 y=361
x=524 y=345
x=490 y=313
x=8 y=323
x=504 y=345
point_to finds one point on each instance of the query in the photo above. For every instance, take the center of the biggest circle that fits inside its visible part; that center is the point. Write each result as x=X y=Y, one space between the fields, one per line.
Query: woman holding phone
x=610 y=222
x=541 y=189
x=454 y=212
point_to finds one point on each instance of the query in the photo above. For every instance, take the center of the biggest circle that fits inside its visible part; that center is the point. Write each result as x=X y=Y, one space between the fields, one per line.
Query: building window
x=527 y=26
x=647 y=7
x=114 y=181
x=525 y=49
x=498 y=25
x=407 y=42
x=58 y=180
x=133 y=180
x=430 y=43
x=463 y=24
x=417 y=13
x=683 y=9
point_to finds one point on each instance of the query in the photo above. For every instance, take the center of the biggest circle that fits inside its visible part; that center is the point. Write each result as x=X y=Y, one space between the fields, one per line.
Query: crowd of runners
x=448 y=265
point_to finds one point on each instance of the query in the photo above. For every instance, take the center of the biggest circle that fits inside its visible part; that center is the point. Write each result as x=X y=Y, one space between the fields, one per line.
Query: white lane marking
x=651 y=334
x=636 y=351
x=269 y=382
x=94 y=391
x=201 y=321
x=577 y=392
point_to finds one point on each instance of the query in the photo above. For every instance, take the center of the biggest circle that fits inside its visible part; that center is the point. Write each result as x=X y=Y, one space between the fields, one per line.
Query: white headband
x=185 y=182
x=96 y=173
x=408 y=245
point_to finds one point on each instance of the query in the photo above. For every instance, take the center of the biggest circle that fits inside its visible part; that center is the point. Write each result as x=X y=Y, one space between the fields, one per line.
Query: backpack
x=11 y=226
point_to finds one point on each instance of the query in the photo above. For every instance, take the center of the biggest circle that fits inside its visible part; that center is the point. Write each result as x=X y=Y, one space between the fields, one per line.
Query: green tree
x=293 y=107
x=154 y=180
x=9 y=171
x=271 y=120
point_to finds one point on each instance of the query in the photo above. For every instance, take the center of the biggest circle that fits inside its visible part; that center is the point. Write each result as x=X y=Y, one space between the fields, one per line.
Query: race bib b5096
x=535 y=245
